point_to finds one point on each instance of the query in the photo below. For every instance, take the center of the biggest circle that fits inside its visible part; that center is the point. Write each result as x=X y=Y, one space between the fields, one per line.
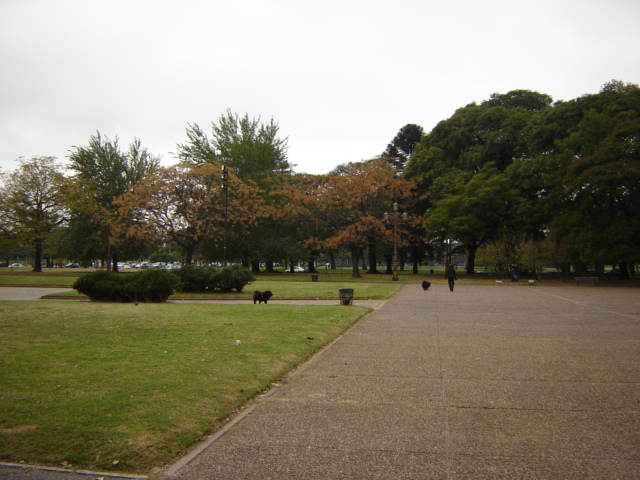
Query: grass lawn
x=286 y=290
x=129 y=388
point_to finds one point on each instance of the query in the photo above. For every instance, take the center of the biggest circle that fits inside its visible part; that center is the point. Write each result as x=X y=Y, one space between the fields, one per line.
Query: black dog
x=426 y=285
x=261 y=296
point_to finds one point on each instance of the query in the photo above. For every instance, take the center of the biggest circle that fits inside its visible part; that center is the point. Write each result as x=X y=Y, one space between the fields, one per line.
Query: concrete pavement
x=504 y=381
x=28 y=293
x=500 y=381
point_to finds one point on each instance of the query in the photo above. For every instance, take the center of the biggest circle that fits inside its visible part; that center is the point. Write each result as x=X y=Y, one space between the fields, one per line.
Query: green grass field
x=125 y=387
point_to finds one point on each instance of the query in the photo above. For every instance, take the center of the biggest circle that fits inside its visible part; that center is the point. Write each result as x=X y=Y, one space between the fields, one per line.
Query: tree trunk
x=255 y=266
x=389 y=261
x=471 y=259
x=624 y=271
x=332 y=261
x=355 y=272
x=312 y=265
x=37 y=261
x=269 y=267
x=414 y=259
x=188 y=255
x=373 y=261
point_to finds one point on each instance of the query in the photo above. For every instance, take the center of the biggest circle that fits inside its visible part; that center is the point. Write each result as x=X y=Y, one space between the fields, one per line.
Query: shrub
x=195 y=279
x=152 y=286
x=208 y=279
x=234 y=277
x=101 y=286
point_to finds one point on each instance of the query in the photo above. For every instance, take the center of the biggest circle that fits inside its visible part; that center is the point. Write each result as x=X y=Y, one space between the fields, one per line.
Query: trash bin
x=346 y=296
x=314 y=278
x=515 y=273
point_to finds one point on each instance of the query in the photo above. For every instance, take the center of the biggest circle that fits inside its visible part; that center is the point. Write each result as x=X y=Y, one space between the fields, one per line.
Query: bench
x=580 y=280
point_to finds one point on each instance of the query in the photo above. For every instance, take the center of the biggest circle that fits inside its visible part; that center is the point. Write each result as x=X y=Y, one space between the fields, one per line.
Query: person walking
x=450 y=275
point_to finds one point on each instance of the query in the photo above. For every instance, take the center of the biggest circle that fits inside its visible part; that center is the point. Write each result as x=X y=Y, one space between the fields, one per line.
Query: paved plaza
x=505 y=381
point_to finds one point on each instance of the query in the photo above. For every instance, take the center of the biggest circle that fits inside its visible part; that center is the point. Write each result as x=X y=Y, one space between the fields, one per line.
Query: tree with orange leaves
x=346 y=209
x=186 y=204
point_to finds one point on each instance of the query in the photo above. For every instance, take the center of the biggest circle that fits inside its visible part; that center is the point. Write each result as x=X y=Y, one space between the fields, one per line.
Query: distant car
x=297 y=269
x=16 y=265
x=72 y=265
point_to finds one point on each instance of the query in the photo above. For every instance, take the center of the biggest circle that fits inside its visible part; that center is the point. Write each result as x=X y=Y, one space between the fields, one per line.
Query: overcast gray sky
x=340 y=77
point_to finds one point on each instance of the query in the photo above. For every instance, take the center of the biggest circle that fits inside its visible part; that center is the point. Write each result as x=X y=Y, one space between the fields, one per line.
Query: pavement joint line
x=584 y=304
x=189 y=457
x=72 y=471
x=200 y=448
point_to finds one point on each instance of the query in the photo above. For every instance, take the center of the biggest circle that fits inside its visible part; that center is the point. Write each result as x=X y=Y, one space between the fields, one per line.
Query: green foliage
x=195 y=279
x=101 y=286
x=251 y=147
x=399 y=151
x=32 y=203
x=149 y=286
x=234 y=277
x=210 y=279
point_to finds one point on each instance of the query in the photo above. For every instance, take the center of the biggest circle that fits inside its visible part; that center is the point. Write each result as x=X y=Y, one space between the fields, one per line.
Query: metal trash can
x=515 y=273
x=314 y=278
x=346 y=296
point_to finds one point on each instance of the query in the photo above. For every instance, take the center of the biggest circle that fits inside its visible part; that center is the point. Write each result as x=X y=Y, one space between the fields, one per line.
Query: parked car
x=614 y=272
x=16 y=265
x=72 y=265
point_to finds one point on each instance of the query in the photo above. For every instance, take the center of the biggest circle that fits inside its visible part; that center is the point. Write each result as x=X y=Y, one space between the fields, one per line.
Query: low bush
x=230 y=278
x=209 y=279
x=101 y=286
x=151 y=286
x=195 y=279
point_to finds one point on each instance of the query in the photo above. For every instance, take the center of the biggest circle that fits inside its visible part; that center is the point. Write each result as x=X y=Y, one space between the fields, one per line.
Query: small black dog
x=426 y=285
x=261 y=296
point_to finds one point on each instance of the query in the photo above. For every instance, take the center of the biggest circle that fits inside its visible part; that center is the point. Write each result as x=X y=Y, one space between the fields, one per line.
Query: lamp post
x=393 y=219
x=224 y=176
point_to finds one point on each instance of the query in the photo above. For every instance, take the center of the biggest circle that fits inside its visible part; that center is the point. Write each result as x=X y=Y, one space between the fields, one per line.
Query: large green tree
x=399 y=151
x=252 y=147
x=32 y=203
x=103 y=172
x=492 y=132
x=475 y=212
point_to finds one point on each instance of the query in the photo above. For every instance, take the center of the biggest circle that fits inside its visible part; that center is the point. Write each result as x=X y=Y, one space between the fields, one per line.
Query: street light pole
x=225 y=187
x=394 y=223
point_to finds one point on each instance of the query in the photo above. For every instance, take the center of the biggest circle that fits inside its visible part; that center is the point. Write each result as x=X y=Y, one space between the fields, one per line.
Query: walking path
x=483 y=382
x=505 y=381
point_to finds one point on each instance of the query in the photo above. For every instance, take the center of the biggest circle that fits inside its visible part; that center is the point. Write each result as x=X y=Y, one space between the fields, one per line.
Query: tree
x=32 y=202
x=346 y=210
x=252 y=148
x=476 y=212
x=591 y=145
x=185 y=204
x=104 y=173
x=601 y=207
x=255 y=152
x=492 y=132
x=399 y=151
